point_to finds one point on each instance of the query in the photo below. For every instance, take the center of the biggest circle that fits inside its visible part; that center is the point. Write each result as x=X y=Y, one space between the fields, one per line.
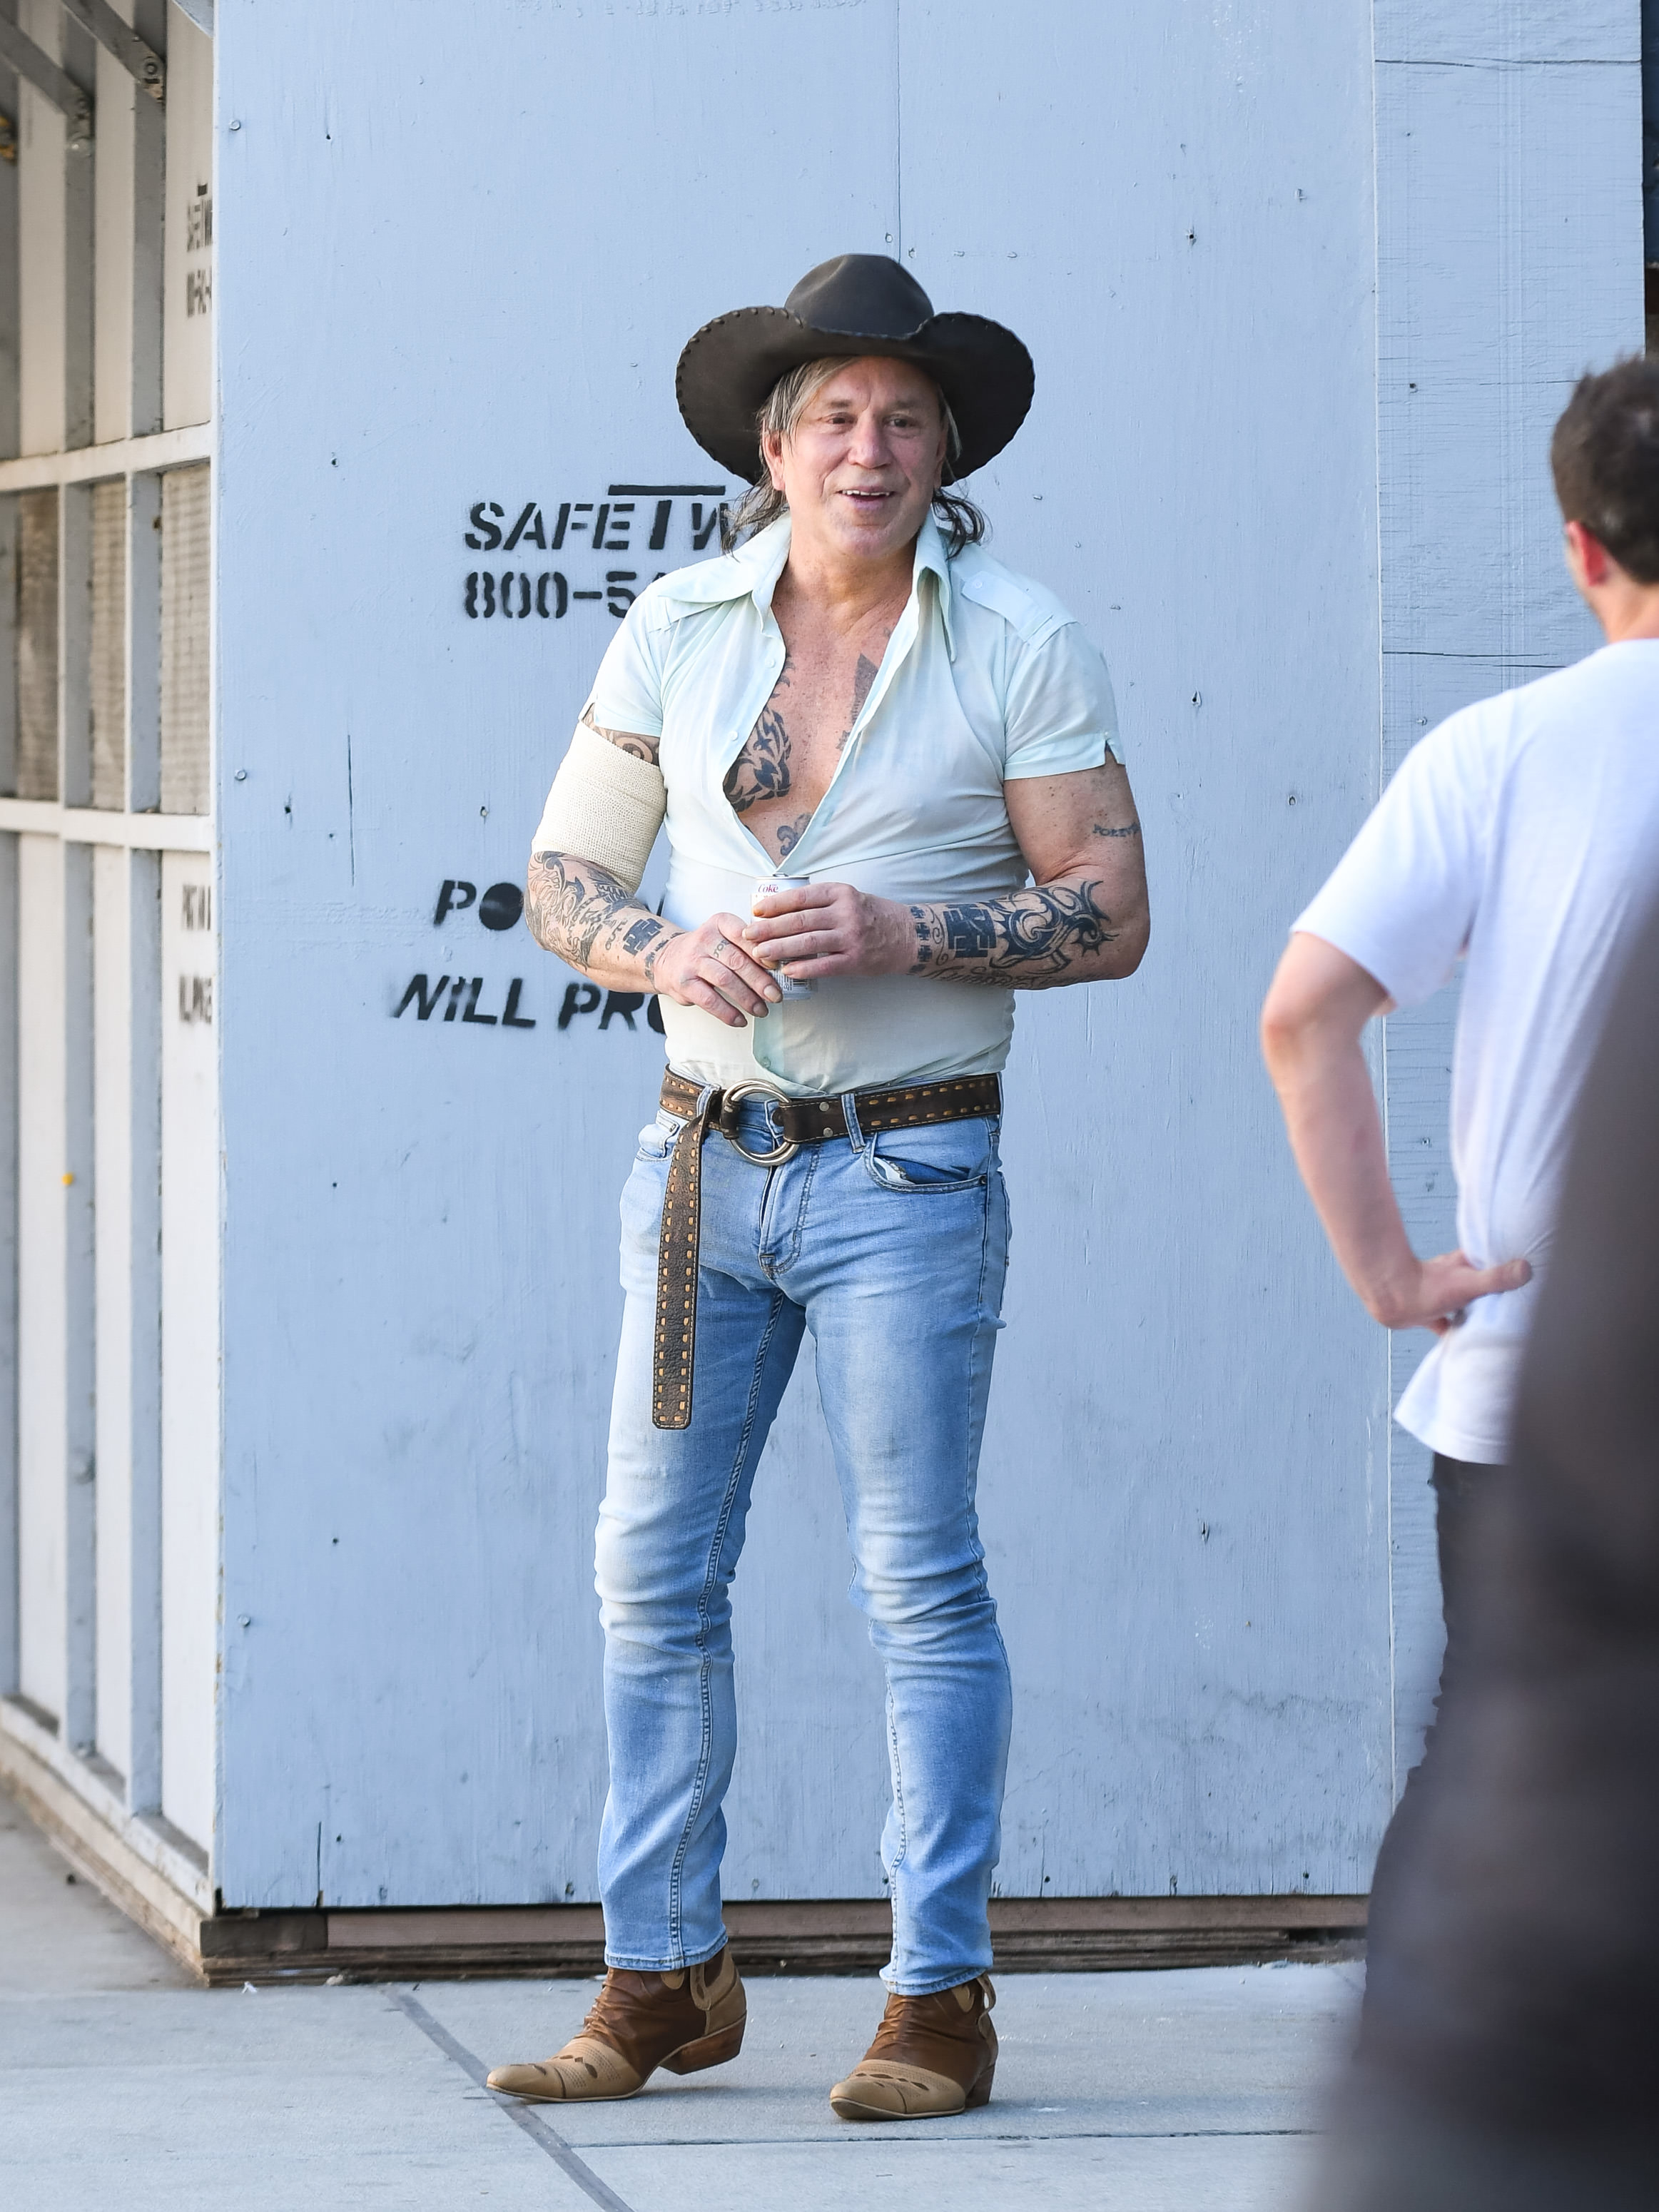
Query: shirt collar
x=931 y=555
x=753 y=571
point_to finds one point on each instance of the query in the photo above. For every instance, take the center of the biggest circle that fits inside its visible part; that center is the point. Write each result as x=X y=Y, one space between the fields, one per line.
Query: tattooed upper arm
x=625 y=741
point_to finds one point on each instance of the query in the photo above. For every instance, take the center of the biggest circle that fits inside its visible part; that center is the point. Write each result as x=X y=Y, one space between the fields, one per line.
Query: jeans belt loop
x=849 y=1108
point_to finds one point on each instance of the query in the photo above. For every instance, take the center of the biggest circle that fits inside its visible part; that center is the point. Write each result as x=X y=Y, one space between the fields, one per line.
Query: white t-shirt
x=986 y=679
x=1523 y=833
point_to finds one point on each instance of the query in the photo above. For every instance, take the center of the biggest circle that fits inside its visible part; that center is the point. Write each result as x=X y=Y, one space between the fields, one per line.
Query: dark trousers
x=1511 y=2044
x=1458 y=1484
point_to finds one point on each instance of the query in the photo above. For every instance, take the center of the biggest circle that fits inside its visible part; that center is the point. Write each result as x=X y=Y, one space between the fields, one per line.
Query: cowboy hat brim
x=731 y=364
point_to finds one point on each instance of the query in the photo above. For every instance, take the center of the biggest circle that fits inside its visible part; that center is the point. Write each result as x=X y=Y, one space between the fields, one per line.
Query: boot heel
x=708 y=2050
x=980 y=2092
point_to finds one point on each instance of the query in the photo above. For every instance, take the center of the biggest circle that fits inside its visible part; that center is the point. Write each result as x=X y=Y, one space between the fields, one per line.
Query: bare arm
x=591 y=920
x=1311 y=1026
x=1085 y=919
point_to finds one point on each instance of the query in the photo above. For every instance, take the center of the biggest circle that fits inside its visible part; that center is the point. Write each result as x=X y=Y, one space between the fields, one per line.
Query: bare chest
x=790 y=757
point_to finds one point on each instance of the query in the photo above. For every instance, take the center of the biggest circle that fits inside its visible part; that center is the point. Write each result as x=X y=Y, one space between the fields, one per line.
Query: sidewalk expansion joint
x=547 y=2138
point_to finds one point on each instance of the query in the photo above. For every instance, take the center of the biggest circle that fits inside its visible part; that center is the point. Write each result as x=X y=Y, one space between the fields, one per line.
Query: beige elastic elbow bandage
x=605 y=805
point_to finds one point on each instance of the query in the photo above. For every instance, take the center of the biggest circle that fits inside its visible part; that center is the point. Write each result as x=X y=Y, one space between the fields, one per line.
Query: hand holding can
x=765 y=887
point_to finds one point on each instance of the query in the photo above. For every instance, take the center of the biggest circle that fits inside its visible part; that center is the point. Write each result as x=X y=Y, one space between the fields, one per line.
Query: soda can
x=791 y=987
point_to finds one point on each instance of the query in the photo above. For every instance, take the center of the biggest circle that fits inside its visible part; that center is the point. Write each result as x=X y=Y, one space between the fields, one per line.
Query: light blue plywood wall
x=456 y=263
x=463 y=253
x=1182 y=1483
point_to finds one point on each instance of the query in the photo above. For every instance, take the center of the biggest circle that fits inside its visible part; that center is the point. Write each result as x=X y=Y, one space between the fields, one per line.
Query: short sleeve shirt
x=1521 y=837
x=986 y=679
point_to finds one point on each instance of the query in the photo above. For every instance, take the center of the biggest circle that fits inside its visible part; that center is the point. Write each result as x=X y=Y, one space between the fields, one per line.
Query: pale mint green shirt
x=986 y=679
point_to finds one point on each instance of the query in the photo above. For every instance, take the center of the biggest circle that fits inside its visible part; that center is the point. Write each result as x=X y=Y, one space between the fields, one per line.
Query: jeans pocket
x=948 y=1156
x=657 y=1138
x=640 y=1212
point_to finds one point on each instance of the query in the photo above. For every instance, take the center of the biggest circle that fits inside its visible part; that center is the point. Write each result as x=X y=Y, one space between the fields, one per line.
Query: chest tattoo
x=761 y=770
x=863 y=676
x=764 y=771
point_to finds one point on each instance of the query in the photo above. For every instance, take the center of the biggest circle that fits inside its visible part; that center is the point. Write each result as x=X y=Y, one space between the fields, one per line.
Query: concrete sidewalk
x=124 y=2086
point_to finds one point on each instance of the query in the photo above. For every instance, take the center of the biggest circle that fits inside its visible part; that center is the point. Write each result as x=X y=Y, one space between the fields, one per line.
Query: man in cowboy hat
x=860 y=698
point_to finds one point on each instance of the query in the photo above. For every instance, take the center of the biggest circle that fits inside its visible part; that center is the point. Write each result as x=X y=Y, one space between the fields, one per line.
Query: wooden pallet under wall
x=143 y=1869
x=847 y=1936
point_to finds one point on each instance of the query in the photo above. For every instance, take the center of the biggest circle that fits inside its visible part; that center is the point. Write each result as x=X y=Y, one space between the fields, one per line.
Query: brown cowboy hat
x=857 y=304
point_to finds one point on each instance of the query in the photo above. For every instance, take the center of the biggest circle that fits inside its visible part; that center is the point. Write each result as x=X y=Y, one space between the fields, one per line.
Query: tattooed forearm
x=625 y=741
x=638 y=939
x=1024 y=941
x=589 y=918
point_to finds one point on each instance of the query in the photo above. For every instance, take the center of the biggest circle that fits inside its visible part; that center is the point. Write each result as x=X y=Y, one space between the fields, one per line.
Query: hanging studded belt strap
x=802 y=1122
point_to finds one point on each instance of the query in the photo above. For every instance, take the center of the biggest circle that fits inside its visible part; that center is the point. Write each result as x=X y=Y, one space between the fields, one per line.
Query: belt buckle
x=775 y=1157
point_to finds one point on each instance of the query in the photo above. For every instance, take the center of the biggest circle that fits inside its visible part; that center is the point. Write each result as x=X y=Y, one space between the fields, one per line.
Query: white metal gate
x=112 y=1599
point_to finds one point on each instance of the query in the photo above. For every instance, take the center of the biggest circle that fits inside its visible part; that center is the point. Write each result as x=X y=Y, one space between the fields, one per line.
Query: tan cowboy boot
x=932 y=2055
x=683 y=2020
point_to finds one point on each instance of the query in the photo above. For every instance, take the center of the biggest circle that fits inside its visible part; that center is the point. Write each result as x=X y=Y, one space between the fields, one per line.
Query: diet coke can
x=791 y=987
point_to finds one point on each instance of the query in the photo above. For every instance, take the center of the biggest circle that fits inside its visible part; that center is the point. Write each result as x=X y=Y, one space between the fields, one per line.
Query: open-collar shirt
x=986 y=679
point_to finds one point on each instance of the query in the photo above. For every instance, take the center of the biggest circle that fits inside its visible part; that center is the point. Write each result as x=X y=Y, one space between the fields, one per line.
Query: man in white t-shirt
x=1521 y=837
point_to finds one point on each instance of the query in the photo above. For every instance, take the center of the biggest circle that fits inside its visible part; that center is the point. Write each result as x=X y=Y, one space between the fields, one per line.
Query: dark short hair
x=1605 y=457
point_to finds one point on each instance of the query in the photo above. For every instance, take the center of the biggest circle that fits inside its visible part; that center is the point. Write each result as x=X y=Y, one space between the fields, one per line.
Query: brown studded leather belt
x=802 y=1122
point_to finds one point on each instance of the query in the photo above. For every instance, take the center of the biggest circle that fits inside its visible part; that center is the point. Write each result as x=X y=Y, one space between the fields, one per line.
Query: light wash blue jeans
x=892 y=1252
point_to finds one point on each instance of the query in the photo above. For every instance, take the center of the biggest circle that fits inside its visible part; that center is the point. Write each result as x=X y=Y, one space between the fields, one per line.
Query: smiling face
x=862 y=464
